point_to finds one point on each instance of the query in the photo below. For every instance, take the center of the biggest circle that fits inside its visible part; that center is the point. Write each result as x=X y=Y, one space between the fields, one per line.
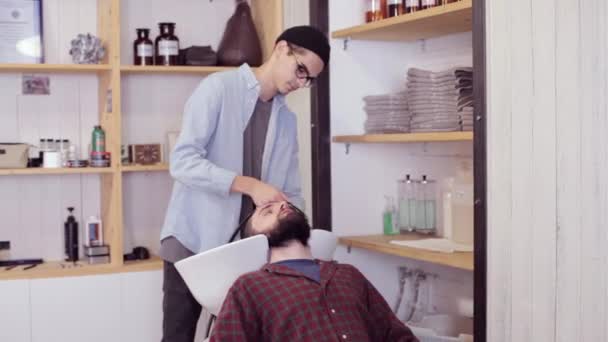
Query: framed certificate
x=21 y=31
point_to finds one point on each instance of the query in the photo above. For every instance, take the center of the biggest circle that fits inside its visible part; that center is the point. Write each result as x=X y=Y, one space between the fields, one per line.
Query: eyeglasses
x=301 y=70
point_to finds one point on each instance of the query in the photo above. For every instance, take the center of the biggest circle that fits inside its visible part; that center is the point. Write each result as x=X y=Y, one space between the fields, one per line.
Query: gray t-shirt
x=254 y=139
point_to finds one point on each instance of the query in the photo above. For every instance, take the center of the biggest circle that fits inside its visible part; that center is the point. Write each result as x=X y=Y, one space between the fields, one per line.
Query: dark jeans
x=180 y=310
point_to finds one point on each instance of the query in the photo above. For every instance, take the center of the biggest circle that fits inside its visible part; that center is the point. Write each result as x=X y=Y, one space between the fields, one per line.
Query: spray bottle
x=71 y=237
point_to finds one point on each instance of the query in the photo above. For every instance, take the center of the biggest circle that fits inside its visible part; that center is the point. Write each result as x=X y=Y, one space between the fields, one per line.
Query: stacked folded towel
x=387 y=113
x=440 y=101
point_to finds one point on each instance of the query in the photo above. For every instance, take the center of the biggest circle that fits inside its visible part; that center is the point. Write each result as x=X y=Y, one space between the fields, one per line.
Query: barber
x=237 y=149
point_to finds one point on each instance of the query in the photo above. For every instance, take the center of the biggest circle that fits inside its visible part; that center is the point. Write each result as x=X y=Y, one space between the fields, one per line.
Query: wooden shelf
x=381 y=244
x=144 y=168
x=54 y=68
x=58 y=171
x=434 y=22
x=54 y=269
x=178 y=69
x=405 y=137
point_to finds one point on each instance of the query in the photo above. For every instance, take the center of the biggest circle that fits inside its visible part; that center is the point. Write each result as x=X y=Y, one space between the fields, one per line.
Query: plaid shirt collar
x=328 y=268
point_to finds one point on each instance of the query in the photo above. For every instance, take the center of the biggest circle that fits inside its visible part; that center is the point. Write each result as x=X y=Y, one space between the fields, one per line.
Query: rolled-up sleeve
x=189 y=163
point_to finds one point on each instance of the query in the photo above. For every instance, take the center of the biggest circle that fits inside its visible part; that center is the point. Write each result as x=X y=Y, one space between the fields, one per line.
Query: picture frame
x=21 y=32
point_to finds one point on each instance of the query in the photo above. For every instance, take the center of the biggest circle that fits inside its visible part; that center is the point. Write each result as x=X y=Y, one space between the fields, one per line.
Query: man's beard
x=293 y=226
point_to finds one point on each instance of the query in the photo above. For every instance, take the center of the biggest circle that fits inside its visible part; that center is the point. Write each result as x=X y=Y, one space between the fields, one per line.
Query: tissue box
x=13 y=155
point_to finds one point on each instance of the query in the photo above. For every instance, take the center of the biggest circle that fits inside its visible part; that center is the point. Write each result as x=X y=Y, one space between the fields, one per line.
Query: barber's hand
x=262 y=193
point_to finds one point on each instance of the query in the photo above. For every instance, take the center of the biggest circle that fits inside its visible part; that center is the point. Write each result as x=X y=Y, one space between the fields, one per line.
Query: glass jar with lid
x=167 y=45
x=143 y=48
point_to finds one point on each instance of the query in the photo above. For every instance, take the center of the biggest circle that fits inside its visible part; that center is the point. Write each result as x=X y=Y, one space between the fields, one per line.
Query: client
x=296 y=298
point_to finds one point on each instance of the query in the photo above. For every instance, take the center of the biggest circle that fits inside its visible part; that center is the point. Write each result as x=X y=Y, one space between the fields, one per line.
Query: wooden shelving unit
x=381 y=244
x=434 y=22
x=405 y=137
x=54 y=269
x=55 y=68
x=154 y=69
x=267 y=16
x=144 y=168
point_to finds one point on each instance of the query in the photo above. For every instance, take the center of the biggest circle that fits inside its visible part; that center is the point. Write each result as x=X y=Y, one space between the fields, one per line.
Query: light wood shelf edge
x=57 y=171
x=53 y=269
x=144 y=168
x=178 y=69
x=405 y=137
x=381 y=244
x=60 y=68
x=397 y=23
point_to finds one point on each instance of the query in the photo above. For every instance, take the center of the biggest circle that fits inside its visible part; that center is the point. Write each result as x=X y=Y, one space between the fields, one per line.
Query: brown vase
x=240 y=42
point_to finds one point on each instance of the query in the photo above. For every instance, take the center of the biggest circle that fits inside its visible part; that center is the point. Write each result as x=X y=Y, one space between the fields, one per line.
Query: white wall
x=361 y=178
x=547 y=165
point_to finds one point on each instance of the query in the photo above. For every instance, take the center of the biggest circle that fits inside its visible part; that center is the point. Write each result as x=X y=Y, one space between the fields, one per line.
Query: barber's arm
x=237 y=320
x=189 y=163
x=389 y=327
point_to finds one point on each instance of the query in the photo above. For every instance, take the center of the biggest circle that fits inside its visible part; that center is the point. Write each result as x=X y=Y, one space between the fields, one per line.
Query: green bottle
x=388 y=217
x=98 y=141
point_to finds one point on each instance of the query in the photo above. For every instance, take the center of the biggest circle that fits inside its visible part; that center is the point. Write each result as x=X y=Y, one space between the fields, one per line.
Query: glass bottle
x=143 y=48
x=426 y=206
x=395 y=8
x=425 y=4
x=410 y=6
x=167 y=45
x=372 y=11
x=407 y=204
x=389 y=217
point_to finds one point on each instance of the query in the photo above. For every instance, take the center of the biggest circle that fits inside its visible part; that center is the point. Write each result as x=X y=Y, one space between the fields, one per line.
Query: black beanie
x=309 y=38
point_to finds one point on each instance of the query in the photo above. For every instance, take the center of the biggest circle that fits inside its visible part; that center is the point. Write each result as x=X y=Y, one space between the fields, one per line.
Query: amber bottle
x=167 y=45
x=143 y=48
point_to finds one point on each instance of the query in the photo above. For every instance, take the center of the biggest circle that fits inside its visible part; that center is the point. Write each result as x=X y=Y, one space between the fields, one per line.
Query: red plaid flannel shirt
x=279 y=304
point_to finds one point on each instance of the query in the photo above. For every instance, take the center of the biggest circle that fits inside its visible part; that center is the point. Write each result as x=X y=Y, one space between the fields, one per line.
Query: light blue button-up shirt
x=208 y=155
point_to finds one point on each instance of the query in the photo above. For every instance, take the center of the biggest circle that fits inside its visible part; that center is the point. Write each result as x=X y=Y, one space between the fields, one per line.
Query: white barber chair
x=210 y=274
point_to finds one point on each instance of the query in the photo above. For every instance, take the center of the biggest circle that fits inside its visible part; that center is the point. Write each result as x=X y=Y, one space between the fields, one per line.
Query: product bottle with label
x=143 y=48
x=167 y=45
x=98 y=140
x=94 y=232
x=425 y=4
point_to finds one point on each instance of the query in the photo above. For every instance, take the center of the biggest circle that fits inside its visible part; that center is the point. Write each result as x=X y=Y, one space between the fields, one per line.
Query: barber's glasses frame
x=301 y=70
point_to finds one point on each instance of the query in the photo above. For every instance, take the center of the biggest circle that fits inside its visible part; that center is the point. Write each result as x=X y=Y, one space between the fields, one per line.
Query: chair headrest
x=210 y=274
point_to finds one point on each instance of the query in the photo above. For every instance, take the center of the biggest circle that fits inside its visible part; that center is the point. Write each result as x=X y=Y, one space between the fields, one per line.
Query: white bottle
x=94 y=232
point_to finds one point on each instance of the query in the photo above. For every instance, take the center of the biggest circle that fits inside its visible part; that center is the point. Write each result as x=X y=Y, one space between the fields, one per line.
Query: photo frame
x=21 y=31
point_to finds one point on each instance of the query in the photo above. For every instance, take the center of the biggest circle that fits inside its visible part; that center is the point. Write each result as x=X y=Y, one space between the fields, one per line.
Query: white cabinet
x=15 y=311
x=75 y=309
x=141 y=306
